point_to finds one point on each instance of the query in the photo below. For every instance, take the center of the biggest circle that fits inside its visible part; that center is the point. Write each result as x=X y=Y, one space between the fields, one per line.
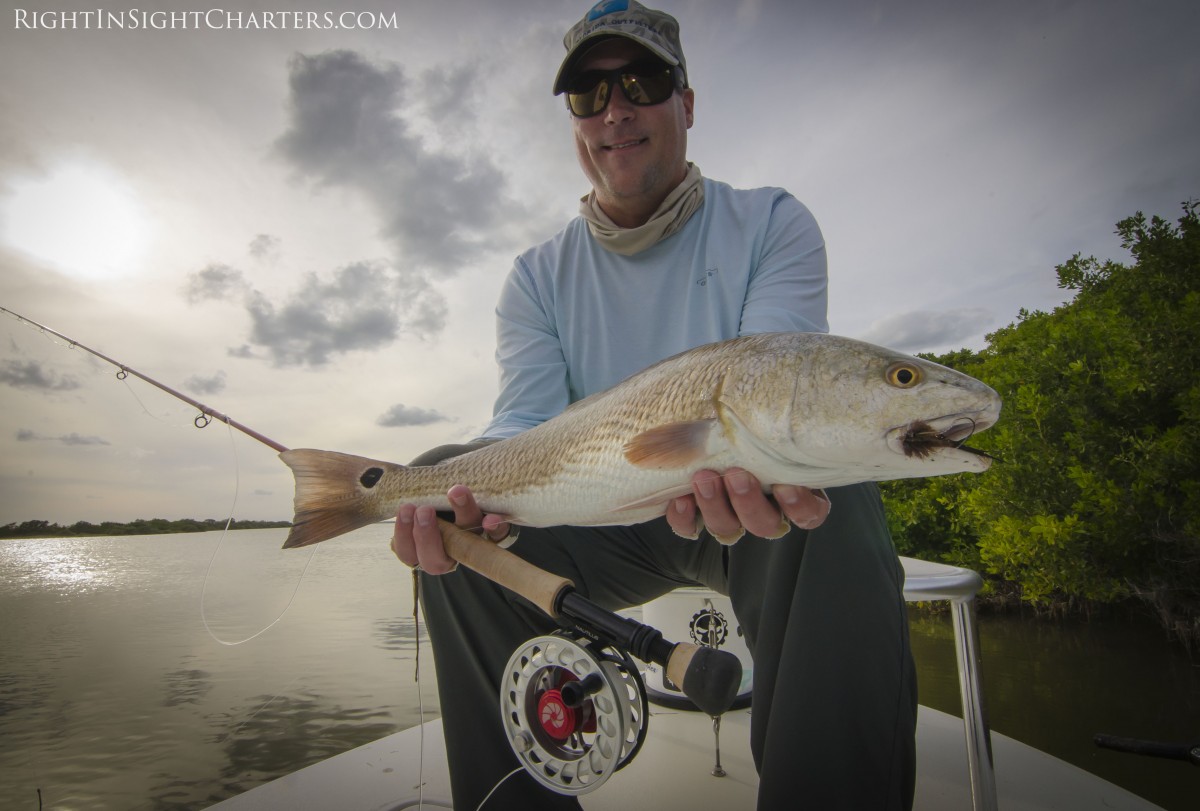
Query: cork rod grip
x=501 y=566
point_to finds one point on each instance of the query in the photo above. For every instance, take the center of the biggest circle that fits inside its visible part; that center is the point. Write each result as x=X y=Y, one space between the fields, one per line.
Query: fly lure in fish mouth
x=921 y=439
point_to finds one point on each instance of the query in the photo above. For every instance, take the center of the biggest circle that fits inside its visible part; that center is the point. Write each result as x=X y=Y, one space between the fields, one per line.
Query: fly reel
x=574 y=711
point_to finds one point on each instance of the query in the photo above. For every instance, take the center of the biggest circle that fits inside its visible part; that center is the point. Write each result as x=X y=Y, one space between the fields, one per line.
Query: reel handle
x=709 y=677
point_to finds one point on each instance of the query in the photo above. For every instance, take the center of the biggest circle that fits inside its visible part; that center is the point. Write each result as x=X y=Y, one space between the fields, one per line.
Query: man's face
x=634 y=156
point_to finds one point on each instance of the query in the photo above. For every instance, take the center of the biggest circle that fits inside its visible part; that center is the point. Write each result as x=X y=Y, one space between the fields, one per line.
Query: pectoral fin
x=676 y=444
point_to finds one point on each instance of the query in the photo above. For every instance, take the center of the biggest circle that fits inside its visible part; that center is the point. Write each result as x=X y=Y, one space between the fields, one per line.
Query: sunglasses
x=645 y=83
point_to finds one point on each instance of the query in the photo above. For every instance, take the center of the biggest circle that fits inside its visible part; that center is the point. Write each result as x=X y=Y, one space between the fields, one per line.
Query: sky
x=306 y=227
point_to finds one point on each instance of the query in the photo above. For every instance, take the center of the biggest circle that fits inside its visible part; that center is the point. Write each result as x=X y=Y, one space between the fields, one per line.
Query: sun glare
x=83 y=218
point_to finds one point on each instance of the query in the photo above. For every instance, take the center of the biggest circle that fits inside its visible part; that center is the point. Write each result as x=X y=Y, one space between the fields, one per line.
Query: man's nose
x=620 y=108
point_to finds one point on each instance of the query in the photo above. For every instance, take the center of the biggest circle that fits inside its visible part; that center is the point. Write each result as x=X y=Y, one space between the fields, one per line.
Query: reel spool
x=574 y=711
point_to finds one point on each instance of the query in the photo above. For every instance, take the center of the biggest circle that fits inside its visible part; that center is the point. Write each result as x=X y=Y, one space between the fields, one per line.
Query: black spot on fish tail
x=371 y=477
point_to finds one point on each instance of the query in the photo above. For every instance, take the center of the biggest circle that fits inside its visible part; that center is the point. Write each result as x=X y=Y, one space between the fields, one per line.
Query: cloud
x=400 y=416
x=265 y=247
x=921 y=330
x=77 y=439
x=438 y=211
x=362 y=306
x=355 y=310
x=214 y=282
x=25 y=435
x=213 y=384
x=31 y=375
x=345 y=129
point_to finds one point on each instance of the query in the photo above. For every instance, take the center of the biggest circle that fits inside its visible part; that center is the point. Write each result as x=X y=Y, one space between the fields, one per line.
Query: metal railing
x=925 y=581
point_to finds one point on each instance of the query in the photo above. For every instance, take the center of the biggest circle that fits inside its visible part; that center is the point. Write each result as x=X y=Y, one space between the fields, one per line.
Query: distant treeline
x=1096 y=499
x=142 y=526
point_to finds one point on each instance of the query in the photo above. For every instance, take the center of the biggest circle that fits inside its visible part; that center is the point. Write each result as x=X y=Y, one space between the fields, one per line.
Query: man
x=662 y=260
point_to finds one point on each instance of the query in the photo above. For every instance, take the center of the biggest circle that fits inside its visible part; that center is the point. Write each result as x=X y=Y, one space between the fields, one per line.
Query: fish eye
x=903 y=375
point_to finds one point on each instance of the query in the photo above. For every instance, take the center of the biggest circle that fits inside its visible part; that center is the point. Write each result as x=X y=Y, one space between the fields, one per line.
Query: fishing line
x=483 y=802
x=416 y=587
x=124 y=378
x=216 y=551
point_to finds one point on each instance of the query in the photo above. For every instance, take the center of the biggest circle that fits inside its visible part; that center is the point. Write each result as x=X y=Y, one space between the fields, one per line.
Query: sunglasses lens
x=648 y=88
x=589 y=92
x=644 y=84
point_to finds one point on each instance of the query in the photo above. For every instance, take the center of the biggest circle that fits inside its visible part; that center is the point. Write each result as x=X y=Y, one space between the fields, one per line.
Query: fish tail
x=333 y=494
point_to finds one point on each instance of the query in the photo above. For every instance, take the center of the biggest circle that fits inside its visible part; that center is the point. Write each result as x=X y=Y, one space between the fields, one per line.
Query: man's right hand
x=417 y=540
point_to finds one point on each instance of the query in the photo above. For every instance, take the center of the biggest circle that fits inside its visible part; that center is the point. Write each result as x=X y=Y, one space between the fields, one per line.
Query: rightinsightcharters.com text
x=213 y=19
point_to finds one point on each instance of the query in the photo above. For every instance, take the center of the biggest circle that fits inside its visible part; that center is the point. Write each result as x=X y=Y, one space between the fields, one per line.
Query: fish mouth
x=943 y=436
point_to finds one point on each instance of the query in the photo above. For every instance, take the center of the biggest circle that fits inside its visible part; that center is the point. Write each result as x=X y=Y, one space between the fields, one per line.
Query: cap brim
x=585 y=44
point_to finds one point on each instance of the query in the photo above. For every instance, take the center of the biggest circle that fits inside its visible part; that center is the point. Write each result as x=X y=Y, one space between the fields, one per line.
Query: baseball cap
x=654 y=30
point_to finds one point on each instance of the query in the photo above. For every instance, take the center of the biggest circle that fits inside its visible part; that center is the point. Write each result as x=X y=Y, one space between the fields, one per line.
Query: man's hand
x=735 y=502
x=417 y=540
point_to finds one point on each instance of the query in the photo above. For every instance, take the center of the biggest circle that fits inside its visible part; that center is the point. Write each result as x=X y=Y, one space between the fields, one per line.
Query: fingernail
x=458 y=500
x=705 y=488
x=681 y=506
x=787 y=494
x=425 y=517
x=739 y=482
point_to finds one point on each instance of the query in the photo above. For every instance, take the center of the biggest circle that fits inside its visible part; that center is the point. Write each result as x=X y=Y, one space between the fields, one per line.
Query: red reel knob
x=556 y=718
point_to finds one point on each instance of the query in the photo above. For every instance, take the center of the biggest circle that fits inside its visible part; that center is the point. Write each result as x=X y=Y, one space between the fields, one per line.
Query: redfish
x=791 y=408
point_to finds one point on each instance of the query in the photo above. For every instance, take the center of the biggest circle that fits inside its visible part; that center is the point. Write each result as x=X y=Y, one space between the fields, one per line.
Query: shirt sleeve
x=789 y=283
x=529 y=354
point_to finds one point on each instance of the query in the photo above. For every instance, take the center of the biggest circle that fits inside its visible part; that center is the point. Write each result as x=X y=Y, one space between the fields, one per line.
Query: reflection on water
x=114 y=695
x=46 y=564
x=186 y=687
x=287 y=733
x=398 y=634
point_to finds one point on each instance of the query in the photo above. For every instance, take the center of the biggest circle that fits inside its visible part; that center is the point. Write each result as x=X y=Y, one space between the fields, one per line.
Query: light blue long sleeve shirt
x=575 y=318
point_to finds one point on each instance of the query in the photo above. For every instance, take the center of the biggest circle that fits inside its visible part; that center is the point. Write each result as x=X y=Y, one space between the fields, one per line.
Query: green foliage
x=1098 y=494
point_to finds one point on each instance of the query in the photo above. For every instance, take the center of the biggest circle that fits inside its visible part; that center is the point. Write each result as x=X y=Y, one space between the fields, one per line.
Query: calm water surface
x=114 y=694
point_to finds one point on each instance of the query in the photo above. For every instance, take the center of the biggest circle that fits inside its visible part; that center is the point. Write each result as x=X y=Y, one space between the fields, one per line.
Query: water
x=1055 y=684
x=113 y=695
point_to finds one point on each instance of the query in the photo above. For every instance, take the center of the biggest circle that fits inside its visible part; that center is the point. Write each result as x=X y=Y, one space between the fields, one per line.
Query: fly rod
x=206 y=412
x=708 y=676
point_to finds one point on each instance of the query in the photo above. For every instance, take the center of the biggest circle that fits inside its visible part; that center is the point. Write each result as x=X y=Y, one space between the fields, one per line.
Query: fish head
x=879 y=414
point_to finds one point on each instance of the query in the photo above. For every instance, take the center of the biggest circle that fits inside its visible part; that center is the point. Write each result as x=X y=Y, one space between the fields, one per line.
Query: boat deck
x=960 y=764
x=385 y=775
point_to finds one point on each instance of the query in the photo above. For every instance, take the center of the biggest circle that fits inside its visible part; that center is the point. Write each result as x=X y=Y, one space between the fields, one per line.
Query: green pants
x=834 y=696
